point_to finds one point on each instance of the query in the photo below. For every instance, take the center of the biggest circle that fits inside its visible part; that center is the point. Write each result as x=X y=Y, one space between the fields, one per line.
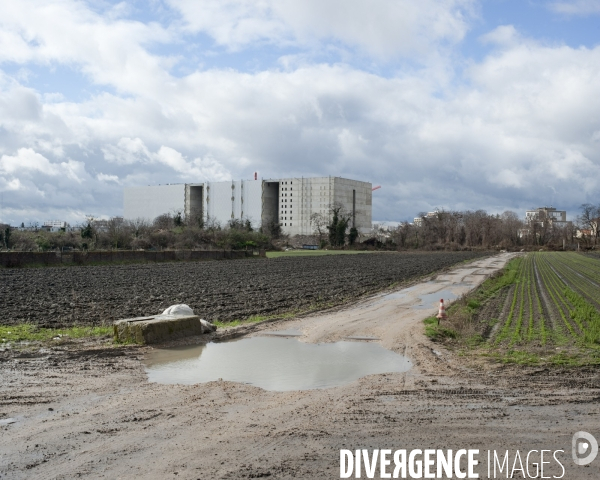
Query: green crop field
x=545 y=307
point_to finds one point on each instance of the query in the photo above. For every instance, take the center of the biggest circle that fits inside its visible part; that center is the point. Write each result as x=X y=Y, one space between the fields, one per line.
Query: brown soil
x=216 y=290
x=85 y=409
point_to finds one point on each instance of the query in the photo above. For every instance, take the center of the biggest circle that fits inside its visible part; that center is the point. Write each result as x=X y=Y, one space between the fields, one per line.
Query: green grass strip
x=31 y=333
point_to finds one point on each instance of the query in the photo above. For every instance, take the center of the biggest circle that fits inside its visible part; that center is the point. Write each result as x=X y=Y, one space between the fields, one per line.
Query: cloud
x=525 y=125
x=26 y=160
x=110 y=51
x=207 y=169
x=127 y=151
x=576 y=7
x=108 y=178
x=516 y=129
x=504 y=35
x=383 y=28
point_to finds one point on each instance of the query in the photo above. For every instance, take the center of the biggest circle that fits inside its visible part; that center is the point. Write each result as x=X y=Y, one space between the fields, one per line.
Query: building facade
x=289 y=202
x=544 y=219
x=551 y=215
x=300 y=198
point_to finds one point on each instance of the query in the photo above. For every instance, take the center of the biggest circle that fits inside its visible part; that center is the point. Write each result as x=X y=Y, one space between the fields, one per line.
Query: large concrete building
x=554 y=217
x=290 y=202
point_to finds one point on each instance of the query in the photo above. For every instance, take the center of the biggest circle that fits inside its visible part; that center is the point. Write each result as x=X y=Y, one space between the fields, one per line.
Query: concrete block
x=157 y=328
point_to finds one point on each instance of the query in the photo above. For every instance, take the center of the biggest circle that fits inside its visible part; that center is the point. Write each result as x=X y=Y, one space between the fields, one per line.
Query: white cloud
x=528 y=114
x=26 y=160
x=207 y=168
x=108 y=178
x=518 y=126
x=576 y=7
x=383 y=28
x=127 y=151
x=133 y=151
x=110 y=51
x=504 y=35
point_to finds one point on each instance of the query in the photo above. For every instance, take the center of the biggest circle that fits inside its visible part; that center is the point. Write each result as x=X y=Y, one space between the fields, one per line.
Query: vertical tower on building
x=290 y=202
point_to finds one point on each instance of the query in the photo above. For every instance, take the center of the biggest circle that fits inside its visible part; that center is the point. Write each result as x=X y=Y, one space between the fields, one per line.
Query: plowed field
x=217 y=290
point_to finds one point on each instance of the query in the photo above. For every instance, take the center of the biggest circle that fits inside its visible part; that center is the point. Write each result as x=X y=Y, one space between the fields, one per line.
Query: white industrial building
x=290 y=202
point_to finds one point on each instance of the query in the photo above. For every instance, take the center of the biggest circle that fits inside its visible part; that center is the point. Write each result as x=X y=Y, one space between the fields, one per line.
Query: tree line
x=447 y=229
x=437 y=230
x=470 y=229
x=165 y=232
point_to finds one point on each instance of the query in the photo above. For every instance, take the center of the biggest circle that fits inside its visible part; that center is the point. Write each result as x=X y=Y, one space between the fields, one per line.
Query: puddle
x=278 y=364
x=432 y=300
x=292 y=332
x=359 y=337
x=391 y=296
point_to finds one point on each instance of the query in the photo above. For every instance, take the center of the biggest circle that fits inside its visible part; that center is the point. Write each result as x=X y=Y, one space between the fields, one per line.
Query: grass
x=254 y=319
x=32 y=333
x=278 y=316
x=520 y=357
x=312 y=253
x=437 y=332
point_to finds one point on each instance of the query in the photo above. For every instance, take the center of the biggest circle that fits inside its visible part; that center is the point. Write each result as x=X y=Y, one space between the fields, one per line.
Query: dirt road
x=86 y=410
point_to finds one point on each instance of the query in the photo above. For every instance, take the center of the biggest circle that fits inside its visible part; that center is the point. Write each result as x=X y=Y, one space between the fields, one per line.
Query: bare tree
x=163 y=222
x=511 y=224
x=118 y=234
x=590 y=220
x=319 y=222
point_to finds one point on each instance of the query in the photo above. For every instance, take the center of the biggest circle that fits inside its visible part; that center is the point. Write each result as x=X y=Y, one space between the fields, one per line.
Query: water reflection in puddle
x=427 y=300
x=291 y=332
x=431 y=300
x=361 y=337
x=278 y=364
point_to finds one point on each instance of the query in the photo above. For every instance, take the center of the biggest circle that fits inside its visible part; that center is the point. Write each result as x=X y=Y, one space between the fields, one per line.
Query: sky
x=447 y=104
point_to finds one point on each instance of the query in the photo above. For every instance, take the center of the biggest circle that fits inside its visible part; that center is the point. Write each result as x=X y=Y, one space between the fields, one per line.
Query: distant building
x=543 y=218
x=289 y=202
x=547 y=216
x=54 y=226
x=584 y=232
x=418 y=221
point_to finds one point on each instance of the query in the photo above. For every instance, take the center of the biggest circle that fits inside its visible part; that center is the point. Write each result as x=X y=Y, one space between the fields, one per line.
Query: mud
x=86 y=409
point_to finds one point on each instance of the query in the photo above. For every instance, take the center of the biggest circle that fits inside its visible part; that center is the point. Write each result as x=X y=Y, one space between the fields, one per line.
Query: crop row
x=555 y=297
